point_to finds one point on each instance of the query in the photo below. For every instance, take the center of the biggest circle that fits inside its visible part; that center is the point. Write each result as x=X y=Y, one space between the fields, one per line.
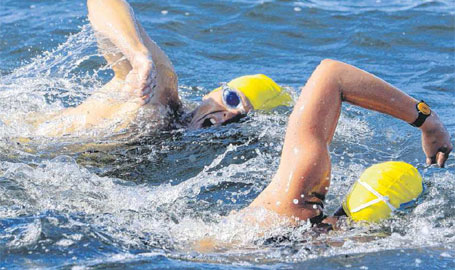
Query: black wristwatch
x=424 y=111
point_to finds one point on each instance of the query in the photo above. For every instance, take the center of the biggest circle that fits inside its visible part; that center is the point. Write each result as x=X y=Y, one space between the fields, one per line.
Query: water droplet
x=295 y=201
x=445 y=254
x=164 y=12
x=278 y=203
x=302 y=195
x=289 y=181
x=315 y=206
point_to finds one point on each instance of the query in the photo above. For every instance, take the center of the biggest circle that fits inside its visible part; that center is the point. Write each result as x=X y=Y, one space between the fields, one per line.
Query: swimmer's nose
x=221 y=118
x=228 y=115
x=235 y=118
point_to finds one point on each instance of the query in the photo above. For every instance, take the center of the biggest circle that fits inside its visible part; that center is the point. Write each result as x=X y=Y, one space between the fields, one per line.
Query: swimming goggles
x=231 y=98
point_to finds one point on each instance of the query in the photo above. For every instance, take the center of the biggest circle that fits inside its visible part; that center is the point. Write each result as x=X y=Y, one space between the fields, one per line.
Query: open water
x=140 y=203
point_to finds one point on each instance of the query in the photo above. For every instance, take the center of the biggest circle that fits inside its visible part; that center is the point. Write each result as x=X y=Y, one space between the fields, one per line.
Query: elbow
x=91 y=5
x=92 y=2
x=327 y=69
x=330 y=66
x=102 y=4
x=332 y=72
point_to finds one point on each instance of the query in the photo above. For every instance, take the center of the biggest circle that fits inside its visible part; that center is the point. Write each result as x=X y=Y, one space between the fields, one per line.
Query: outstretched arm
x=303 y=176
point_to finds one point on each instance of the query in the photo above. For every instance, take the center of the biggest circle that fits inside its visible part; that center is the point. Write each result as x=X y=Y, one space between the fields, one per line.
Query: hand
x=435 y=141
x=141 y=80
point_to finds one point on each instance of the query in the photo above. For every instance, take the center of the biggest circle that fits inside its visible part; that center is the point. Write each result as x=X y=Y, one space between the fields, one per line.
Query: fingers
x=443 y=156
x=431 y=160
x=146 y=99
x=136 y=86
x=140 y=100
x=440 y=157
x=147 y=90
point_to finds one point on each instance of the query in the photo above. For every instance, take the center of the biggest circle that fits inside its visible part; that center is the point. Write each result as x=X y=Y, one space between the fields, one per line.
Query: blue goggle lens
x=231 y=98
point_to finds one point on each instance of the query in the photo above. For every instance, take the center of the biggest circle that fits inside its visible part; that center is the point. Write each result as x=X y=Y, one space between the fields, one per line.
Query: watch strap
x=424 y=111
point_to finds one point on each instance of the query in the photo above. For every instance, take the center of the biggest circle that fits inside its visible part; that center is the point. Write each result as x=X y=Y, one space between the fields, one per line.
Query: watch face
x=424 y=108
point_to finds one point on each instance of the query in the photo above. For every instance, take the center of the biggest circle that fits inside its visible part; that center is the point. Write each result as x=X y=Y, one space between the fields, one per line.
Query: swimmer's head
x=381 y=189
x=233 y=100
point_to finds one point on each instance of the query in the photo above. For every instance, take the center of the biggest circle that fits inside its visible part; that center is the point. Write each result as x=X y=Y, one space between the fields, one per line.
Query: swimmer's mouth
x=234 y=119
x=208 y=121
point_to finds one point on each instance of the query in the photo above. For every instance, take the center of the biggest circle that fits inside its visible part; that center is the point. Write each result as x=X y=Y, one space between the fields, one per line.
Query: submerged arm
x=303 y=176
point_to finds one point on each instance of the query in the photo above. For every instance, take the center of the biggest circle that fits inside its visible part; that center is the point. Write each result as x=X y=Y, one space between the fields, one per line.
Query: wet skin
x=148 y=79
x=214 y=112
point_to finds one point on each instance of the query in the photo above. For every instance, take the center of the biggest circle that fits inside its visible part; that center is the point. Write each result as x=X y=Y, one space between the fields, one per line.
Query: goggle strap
x=379 y=198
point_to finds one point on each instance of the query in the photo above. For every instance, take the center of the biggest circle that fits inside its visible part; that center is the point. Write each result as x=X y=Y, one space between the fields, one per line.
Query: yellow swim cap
x=381 y=189
x=261 y=91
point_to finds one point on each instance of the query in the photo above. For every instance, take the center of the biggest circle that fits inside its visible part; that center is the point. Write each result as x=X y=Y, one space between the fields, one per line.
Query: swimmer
x=144 y=76
x=303 y=176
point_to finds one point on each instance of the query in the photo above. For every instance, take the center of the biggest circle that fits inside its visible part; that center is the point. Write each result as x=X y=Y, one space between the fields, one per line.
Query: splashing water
x=102 y=202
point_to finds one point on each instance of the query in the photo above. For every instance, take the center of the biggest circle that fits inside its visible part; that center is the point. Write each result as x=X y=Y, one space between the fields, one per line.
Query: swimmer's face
x=220 y=107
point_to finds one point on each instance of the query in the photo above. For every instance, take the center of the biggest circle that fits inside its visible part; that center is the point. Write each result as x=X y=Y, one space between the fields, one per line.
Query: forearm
x=104 y=107
x=368 y=91
x=115 y=20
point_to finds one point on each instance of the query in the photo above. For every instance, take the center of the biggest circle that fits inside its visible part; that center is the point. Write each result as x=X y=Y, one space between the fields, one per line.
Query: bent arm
x=303 y=176
x=115 y=21
x=144 y=75
x=368 y=91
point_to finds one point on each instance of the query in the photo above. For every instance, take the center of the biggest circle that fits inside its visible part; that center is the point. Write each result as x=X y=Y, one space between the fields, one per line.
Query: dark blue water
x=107 y=203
